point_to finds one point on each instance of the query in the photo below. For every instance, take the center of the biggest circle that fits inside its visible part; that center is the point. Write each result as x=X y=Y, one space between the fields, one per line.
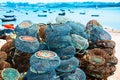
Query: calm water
x=108 y=17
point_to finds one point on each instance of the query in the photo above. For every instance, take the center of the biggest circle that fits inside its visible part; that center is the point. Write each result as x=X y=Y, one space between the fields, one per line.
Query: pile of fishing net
x=60 y=39
x=99 y=59
x=63 y=51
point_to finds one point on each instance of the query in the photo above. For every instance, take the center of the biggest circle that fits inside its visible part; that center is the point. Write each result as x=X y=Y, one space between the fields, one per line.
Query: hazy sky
x=48 y=1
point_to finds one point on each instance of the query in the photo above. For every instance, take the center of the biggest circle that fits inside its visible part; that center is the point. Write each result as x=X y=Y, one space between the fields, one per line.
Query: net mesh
x=68 y=65
x=26 y=46
x=45 y=63
x=66 y=52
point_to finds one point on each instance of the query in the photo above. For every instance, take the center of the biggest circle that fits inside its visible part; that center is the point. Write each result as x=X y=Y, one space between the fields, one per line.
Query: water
x=108 y=17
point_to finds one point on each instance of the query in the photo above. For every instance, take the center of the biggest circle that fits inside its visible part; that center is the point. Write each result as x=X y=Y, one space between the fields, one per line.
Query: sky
x=49 y=1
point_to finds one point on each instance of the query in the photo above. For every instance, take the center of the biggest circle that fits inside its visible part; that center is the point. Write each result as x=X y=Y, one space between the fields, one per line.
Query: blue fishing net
x=98 y=33
x=10 y=74
x=26 y=46
x=79 y=42
x=30 y=30
x=91 y=24
x=66 y=52
x=43 y=46
x=50 y=75
x=79 y=74
x=54 y=30
x=47 y=61
x=68 y=65
x=59 y=41
x=77 y=28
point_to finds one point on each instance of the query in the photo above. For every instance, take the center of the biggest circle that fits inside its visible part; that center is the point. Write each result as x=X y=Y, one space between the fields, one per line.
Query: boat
x=82 y=12
x=8 y=19
x=42 y=15
x=6 y=16
x=35 y=10
x=44 y=11
x=62 y=14
x=95 y=15
x=26 y=13
x=62 y=10
x=9 y=26
x=71 y=11
x=10 y=11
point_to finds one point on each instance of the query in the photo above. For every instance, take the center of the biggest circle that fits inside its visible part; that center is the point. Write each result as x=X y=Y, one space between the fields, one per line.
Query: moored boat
x=62 y=14
x=6 y=16
x=95 y=15
x=42 y=15
x=8 y=19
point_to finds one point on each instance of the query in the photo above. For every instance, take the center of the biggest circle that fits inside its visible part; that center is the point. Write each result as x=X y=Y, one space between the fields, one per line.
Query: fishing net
x=78 y=74
x=79 y=42
x=26 y=44
x=109 y=51
x=77 y=28
x=106 y=44
x=43 y=46
x=50 y=75
x=4 y=64
x=97 y=63
x=26 y=28
x=54 y=30
x=10 y=74
x=91 y=24
x=41 y=32
x=62 y=19
x=112 y=61
x=68 y=65
x=44 y=61
x=66 y=52
x=59 y=41
x=19 y=60
x=3 y=55
x=97 y=34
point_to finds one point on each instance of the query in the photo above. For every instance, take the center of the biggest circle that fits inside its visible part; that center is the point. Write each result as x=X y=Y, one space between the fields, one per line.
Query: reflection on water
x=108 y=17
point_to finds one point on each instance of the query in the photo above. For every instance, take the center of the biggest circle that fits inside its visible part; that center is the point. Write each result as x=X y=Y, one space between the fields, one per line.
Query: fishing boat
x=8 y=26
x=62 y=14
x=42 y=15
x=95 y=15
x=8 y=19
x=6 y=16
x=82 y=12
